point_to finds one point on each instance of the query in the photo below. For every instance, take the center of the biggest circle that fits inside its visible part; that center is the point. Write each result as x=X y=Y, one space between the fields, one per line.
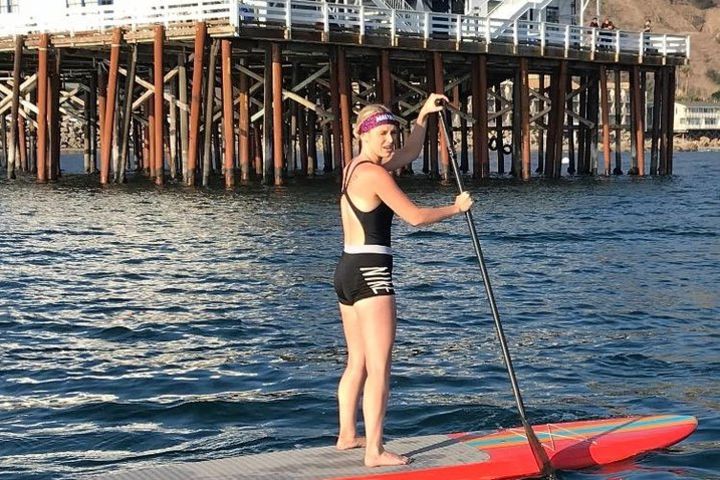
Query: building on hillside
x=552 y=11
x=697 y=117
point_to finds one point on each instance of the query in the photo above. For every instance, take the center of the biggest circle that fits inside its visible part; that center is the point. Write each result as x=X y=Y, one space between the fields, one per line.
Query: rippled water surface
x=143 y=326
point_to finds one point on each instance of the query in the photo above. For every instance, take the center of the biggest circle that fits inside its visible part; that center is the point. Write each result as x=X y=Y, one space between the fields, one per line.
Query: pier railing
x=362 y=20
x=296 y=15
x=122 y=13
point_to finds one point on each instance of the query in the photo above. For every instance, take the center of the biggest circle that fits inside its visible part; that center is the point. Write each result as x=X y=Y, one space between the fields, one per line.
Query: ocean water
x=143 y=326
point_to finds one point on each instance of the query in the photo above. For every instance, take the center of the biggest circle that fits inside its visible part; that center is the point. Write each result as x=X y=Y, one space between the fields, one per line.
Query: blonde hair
x=365 y=112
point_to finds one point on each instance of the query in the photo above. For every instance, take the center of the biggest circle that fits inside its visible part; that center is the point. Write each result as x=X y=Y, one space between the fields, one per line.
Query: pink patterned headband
x=377 y=119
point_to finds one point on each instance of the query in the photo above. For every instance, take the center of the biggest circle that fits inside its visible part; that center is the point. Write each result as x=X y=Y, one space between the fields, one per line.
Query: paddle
x=541 y=457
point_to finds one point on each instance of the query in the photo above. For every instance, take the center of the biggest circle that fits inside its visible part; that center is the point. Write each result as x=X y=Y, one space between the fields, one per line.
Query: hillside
x=698 y=18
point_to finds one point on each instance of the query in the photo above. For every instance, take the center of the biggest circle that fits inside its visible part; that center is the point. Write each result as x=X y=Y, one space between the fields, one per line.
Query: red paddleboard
x=569 y=445
x=461 y=456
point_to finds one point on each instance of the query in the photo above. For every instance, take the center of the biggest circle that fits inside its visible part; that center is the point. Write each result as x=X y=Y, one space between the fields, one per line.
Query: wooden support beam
x=3 y=141
x=286 y=94
x=617 y=170
x=439 y=76
x=499 y=128
x=257 y=150
x=302 y=140
x=227 y=99
x=312 y=133
x=464 y=134
x=150 y=89
x=111 y=100
x=172 y=134
x=525 y=117
x=277 y=113
x=291 y=139
x=15 y=101
x=638 y=94
x=562 y=86
x=244 y=127
x=582 y=132
x=209 y=106
x=54 y=117
x=572 y=129
x=481 y=160
x=656 y=133
x=327 y=140
x=150 y=164
x=87 y=128
x=539 y=119
x=127 y=115
x=25 y=147
x=42 y=91
x=182 y=97
x=195 y=105
x=672 y=79
x=605 y=108
x=345 y=107
x=101 y=97
x=516 y=160
x=158 y=103
x=93 y=127
x=665 y=129
x=267 y=106
x=593 y=114
x=217 y=149
x=26 y=87
x=560 y=111
x=432 y=124
x=386 y=78
x=335 y=107
x=552 y=126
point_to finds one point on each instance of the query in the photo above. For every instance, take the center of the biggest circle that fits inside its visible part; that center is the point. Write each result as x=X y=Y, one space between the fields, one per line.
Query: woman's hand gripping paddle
x=539 y=453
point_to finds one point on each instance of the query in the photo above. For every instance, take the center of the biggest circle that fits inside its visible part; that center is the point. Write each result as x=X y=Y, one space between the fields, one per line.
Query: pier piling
x=277 y=112
x=244 y=126
x=605 y=108
x=227 y=99
x=110 y=102
x=158 y=103
x=525 y=117
x=195 y=105
x=15 y=107
x=618 y=123
x=42 y=89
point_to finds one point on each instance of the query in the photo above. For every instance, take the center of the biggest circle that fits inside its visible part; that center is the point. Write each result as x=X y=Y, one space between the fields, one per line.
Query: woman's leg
x=352 y=380
x=376 y=316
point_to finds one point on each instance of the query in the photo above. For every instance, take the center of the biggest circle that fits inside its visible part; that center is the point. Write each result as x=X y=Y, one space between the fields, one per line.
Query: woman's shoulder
x=366 y=167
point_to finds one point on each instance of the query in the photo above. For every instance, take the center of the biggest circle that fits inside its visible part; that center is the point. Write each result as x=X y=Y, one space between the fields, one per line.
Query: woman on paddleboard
x=363 y=278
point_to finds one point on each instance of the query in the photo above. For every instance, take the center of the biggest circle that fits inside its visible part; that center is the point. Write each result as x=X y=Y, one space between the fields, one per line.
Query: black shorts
x=363 y=275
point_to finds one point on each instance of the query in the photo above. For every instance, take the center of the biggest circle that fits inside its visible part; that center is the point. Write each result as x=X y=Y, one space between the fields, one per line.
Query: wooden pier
x=292 y=73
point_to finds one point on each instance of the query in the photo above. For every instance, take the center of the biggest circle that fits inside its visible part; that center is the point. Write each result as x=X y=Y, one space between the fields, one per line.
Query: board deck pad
x=458 y=456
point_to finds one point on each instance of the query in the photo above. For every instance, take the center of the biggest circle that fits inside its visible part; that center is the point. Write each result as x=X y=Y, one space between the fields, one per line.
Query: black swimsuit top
x=377 y=222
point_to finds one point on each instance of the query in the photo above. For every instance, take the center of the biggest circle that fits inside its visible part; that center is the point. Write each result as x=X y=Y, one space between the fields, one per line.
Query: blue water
x=143 y=326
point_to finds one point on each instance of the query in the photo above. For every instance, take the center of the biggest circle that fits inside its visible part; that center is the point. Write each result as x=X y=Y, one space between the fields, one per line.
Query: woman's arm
x=414 y=143
x=389 y=192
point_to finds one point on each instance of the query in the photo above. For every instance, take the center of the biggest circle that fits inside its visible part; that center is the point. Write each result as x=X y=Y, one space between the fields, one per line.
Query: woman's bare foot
x=354 y=442
x=385 y=459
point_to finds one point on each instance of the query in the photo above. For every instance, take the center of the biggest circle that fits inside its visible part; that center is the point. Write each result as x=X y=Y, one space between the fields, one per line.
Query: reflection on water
x=143 y=326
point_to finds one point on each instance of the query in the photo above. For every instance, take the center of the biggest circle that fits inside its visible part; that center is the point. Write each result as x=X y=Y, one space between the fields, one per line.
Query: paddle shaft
x=538 y=451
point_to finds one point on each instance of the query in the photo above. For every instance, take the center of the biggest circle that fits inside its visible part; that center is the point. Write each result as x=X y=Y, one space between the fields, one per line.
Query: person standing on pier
x=363 y=277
